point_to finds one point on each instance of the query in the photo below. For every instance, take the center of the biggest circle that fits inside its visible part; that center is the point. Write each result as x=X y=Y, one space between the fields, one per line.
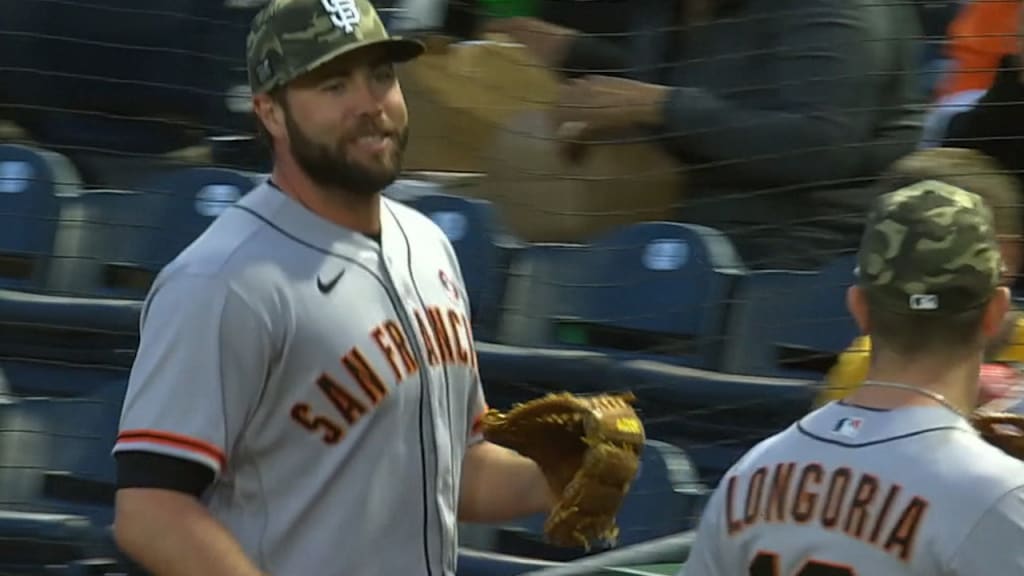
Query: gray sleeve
x=994 y=544
x=200 y=368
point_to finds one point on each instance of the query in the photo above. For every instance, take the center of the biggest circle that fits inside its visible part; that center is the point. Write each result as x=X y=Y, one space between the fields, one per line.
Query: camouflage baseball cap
x=291 y=37
x=929 y=248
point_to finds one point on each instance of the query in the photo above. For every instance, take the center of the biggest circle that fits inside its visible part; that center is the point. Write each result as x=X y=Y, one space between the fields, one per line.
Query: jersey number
x=767 y=564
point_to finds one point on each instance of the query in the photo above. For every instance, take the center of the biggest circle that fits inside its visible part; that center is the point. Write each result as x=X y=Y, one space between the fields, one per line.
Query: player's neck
x=352 y=211
x=956 y=382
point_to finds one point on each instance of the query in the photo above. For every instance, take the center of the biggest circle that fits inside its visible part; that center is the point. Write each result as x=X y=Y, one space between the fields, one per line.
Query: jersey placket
x=404 y=302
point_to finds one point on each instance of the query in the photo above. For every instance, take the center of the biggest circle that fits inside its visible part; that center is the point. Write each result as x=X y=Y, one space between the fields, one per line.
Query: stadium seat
x=791 y=324
x=666 y=498
x=542 y=289
x=31 y=180
x=191 y=198
x=516 y=374
x=43 y=337
x=55 y=453
x=31 y=541
x=108 y=245
x=484 y=251
x=649 y=290
x=713 y=416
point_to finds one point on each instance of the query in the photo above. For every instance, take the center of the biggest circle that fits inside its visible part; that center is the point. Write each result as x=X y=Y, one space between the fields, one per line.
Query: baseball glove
x=1004 y=430
x=588 y=448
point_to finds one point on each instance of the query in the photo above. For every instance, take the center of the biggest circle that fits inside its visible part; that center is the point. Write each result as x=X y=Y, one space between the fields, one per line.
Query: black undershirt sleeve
x=149 y=470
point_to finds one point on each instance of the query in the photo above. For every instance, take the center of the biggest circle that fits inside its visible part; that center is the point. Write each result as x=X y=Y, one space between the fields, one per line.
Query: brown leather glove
x=588 y=448
x=1001 y=429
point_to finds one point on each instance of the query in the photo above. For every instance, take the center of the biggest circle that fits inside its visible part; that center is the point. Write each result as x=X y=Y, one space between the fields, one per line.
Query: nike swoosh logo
x=326 y=287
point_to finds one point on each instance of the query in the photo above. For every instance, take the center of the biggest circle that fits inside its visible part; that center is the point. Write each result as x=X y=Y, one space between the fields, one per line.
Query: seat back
x=659 y=290
x=483 y=249
x=541 y=291
x=191 y=198
x=56 y=452
x=791 y=324
x=31 y=180
x=108 y=245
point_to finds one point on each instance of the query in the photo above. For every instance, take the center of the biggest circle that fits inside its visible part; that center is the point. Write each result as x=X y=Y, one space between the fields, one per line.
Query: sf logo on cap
x=344 y=14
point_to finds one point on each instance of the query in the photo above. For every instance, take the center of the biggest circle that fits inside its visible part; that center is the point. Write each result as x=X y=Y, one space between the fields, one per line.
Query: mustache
x=385 y=130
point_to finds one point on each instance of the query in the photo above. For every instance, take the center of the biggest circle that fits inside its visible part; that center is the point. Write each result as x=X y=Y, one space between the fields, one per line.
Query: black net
x=658 y=197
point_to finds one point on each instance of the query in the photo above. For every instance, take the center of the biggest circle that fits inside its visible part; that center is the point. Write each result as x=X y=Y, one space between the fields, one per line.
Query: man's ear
x=270 y=112
x=995 y=312
x=857 y=304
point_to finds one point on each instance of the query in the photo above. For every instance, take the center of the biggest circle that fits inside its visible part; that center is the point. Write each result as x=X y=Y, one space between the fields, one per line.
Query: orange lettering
x=331 y=433
x=398 y=337
x=456 y=325
x=444 y=342
x=385 y=347
x=347 y=404
x=364 y=374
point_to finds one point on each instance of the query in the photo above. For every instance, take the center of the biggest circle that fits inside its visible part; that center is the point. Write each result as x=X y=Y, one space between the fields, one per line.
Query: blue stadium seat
x=191 y=198
x=655 y=289
x=713 y=416
x=516 y=374
x=55 y=453
x=31 y=180
x=542 y=289
x=108 y=245
x=484 y=251
x=791 y=324
x=31 y=541
x=44 y=339
x=666 y=498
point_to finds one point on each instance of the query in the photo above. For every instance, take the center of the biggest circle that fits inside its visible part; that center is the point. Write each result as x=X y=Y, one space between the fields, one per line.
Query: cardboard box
x=460 y=95
x=481 y=107
x=544 y=197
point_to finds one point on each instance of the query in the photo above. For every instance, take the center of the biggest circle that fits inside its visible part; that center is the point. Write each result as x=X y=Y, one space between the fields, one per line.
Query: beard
x=331 y=168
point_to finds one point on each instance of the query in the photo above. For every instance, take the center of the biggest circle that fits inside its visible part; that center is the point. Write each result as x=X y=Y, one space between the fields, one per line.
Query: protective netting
x=655 y=196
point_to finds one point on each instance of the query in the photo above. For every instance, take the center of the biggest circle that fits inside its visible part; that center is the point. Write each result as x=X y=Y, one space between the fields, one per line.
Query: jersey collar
x=281 y=211
x=844 y=423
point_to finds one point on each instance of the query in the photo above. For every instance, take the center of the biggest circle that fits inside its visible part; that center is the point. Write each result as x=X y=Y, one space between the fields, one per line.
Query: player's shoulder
x=992 y=472
x=414 y=221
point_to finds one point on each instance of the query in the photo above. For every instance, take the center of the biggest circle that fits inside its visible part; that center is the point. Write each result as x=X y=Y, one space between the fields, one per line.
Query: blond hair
x=970 y=170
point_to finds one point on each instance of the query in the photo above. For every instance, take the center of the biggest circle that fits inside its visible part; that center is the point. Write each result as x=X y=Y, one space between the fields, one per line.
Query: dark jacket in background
x=995 y=125
x=784 y=111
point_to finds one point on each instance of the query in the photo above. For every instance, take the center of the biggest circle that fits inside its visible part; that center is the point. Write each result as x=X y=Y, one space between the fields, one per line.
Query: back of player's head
x=929 y=264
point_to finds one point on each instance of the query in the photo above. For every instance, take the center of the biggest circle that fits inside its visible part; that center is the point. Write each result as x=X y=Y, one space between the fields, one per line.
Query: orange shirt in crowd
x=982 y=33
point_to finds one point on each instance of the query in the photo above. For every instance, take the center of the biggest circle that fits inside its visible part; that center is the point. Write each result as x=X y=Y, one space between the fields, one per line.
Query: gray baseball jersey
x=852 y=491
x=330 y=382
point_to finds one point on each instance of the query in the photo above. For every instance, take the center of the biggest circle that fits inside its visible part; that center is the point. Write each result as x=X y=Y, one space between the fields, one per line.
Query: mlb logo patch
x=848 y=427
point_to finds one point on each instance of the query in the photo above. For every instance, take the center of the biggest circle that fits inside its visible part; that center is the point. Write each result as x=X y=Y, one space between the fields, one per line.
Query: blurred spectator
x=974 y=172
x=782 y=111
x=995 y=125
x=981 y=35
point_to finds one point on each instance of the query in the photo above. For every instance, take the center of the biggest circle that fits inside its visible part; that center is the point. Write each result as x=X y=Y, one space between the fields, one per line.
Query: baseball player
x=893 y=479
x=306 y=388
x=1002 y=383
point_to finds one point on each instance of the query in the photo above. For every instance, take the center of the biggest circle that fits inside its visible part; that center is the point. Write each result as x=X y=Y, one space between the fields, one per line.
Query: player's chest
x=367 y=337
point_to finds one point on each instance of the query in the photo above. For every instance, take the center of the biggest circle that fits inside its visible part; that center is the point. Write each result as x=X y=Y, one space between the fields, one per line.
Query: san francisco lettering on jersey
x=448 y=340
x=857 y=504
